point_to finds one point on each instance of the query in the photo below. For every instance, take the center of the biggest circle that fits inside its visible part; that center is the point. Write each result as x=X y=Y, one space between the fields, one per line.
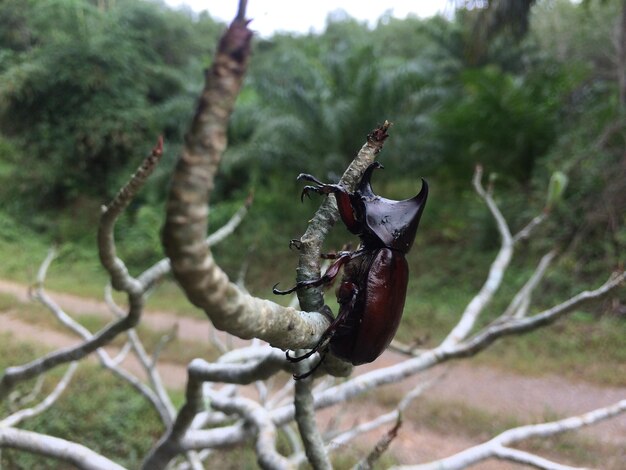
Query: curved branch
x=60 y=449
x=497 y=447
x=154 y=273
x=202 y=280
x=496 y=271
x=17 y=417
x=255 y=414
x=200 y=371
x=428 y=359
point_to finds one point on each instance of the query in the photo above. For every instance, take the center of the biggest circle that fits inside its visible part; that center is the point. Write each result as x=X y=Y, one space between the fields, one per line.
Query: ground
x=486 y=396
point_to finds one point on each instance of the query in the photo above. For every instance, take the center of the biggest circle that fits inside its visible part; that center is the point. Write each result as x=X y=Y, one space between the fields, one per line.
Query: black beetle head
x=388 y=222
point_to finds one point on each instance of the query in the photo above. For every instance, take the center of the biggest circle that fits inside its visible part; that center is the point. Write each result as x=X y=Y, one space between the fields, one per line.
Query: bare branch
x=381 y=446
x=164 y=408
x=525 y=232
x=162 y=400
x=497 y=447
x=520 y=303
x=253 y=413
x=430 y=358
x=307 y=425
x=229 y=227
x=517 y=326
x=201 y=371
x=17 y=417
x=496 y=271
x=163 y=267
x=60 y=449
x=120 y=279
x=17 y=399
x=395 y=415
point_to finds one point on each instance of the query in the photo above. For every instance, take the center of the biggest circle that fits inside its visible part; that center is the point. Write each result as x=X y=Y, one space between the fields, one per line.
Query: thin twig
x=496 y=271
x=19 y=416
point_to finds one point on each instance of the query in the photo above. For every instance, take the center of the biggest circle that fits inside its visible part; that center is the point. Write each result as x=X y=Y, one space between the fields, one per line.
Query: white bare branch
x=253 y=413
x=60 y=449
x=525 y=232
x=498 y=446
x=19 y=416
x=166 y=407
x=496 y=271
x=518 y=307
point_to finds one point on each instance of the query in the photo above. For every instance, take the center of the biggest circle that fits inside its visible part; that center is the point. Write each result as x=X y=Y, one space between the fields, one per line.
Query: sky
x=302 y=16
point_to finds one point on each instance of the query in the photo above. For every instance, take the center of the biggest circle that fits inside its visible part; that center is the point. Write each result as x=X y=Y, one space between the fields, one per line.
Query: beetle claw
x=294 y=243
x=313 y=369
x=283 y=292
x=307 y=177
x=294 y=359
x=305 y=192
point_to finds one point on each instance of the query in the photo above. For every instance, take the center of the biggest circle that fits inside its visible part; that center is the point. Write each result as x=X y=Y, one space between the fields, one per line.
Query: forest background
x=534 y=95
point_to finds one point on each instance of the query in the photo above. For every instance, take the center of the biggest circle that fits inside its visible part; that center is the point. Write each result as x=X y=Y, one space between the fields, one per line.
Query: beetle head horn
x=365 y=187
x=412 y=209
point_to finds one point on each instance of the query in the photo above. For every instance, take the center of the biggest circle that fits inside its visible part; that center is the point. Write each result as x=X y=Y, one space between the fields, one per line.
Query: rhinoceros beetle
x=373 y=289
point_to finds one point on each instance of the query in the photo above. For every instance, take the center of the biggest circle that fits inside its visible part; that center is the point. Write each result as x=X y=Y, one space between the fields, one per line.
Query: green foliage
x=556 y=188
x=88 y=92
x=503 y=121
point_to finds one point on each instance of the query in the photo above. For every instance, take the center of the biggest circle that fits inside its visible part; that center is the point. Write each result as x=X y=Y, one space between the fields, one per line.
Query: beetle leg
x=315 y=367
x=311 y=178
x=321 y=189
x=328 y=277
x=304 y=356
x=336 y=254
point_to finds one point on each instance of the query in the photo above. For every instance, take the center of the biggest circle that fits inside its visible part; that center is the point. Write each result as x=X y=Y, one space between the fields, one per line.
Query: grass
x=460 y=419
x=584 y=346
x=96 y=410
x=177 y=351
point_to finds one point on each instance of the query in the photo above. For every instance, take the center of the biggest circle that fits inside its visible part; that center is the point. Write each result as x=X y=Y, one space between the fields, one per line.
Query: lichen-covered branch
x=307 y=425
x=120 y=279
x=310 y=247
x=158 y=270
x=204 y=283
x=326 y=216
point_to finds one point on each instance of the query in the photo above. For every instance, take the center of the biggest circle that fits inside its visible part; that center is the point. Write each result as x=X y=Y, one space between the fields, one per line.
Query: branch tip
x=249 y=200
x=158 y=148
x=241 y=12
x=379 y=134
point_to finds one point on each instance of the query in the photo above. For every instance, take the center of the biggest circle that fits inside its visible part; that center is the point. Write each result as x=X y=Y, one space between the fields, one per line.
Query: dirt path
x=527 y=399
